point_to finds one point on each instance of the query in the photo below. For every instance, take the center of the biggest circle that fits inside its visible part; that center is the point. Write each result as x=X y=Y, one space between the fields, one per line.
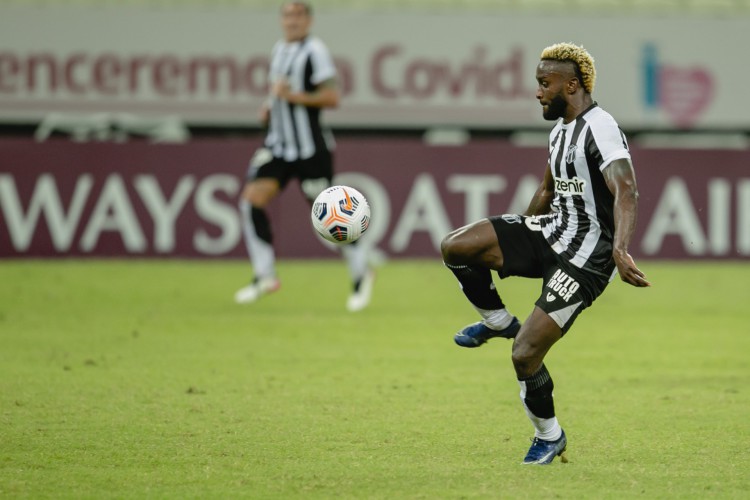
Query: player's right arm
x=325 y=94
x=542 y=199
x=264 y=113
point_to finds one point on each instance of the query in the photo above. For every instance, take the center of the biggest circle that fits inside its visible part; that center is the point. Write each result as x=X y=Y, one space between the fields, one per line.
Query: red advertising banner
x=62 y=198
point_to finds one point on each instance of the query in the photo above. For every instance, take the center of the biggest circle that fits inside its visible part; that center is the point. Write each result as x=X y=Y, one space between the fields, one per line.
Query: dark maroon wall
x=694 y=204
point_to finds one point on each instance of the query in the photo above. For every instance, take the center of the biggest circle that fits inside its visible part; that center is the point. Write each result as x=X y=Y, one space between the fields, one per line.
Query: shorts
x=567 y=290
x=315 y=173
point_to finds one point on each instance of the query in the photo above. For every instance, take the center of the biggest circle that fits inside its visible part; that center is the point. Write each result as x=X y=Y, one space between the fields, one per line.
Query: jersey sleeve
x=322 y=63
x=607 y=141
x=273 y=69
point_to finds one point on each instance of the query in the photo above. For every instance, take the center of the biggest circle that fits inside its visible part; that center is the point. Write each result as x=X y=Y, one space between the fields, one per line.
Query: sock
x=258 y=239
x=477 y=285
x=536 y=394
x=356 y=255
x=498 y=319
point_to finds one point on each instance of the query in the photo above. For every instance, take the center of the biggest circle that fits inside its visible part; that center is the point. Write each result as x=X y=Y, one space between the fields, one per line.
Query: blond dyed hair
x=578 y=56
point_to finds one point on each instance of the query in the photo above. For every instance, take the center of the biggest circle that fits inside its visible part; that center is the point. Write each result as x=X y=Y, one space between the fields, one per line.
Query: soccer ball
x=340 y=214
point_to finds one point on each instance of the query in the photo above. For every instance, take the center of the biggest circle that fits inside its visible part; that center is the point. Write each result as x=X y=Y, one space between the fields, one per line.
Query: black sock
x=261 y=224
x=476 y=283
x=538 y=397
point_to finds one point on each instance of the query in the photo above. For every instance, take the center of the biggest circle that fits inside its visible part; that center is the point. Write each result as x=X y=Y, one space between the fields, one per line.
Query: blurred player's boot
x=477 y=334
x=360 y=297
x=256 y=289
x=544 y=452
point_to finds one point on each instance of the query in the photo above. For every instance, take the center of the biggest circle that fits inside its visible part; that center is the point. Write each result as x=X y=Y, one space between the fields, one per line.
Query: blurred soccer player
x=574 y=235
x=303 y=82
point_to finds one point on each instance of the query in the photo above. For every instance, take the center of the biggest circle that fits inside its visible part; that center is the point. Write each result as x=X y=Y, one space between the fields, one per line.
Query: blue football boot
x=477 y=334
x=544 y=452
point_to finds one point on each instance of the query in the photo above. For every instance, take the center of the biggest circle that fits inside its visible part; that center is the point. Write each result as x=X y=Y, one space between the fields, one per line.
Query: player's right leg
x=471 y=252
x=362 y=275
x=538 y=334
x=316 y=174
x=265 y=182
x=566 y=292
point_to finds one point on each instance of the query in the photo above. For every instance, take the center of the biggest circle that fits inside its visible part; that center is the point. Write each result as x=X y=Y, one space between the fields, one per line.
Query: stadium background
x=127 y=371
x=127 y=126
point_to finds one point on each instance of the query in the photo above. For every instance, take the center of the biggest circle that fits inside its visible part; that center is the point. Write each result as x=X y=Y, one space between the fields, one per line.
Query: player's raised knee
x=451 y=248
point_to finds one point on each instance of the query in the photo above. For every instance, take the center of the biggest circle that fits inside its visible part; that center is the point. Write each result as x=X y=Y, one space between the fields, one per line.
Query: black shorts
x=567 y=290
x=315 y=173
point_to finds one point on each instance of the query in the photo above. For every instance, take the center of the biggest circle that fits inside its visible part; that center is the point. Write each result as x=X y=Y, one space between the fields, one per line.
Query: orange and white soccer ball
x=340 y=214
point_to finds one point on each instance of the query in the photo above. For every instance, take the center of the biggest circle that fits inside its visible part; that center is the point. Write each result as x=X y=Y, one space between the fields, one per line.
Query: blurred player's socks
x=536 y=394
x=477 y=285
x=356 y=256
x=362 y=276
x=257 y=231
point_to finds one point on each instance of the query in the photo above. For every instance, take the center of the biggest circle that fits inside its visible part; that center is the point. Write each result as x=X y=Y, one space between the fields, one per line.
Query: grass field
x=142 y=379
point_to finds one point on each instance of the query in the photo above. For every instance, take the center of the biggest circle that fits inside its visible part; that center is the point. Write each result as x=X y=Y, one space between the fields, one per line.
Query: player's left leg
x=363 y=276
x=471 y=253
x=316 y=174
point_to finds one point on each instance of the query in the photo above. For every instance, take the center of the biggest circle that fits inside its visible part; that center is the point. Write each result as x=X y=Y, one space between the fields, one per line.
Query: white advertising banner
x=208 y=65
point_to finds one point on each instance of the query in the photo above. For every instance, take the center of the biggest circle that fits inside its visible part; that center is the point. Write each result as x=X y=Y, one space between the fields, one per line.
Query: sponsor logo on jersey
x=550 y=297
x=512 y=218
x=569 y=187
x=563 y=285
x=570 y=156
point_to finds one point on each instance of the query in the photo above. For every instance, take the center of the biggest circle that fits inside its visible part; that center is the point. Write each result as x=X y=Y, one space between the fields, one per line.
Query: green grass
x=141 y=379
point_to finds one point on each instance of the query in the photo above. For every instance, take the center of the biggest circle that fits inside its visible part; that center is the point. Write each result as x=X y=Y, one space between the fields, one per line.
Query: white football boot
x=360 y=298
x=257 y=289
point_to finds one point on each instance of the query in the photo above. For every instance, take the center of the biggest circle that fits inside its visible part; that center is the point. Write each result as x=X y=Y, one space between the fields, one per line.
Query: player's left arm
x=325 y=94
x=620 y=179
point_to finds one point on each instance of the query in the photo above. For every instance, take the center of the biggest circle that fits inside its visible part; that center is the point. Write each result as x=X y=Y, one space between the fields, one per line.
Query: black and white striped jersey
x=295 y=131
x=581 y=225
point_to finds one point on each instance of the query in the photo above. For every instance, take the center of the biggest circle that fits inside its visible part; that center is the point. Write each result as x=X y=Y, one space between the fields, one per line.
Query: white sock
x=547 y=429
x=497 y=319
x=356 y=258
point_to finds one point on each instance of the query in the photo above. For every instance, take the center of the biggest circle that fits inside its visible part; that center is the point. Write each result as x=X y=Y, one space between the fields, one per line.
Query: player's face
x=295 y=22
x=550 y=90
x=556 y=108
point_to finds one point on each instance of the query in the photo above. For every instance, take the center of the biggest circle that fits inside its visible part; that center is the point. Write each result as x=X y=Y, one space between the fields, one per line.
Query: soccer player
x=574 y=235
x=303 y=82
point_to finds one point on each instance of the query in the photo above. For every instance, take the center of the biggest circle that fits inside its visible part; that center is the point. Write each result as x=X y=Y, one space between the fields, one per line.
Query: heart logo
x=685 y=93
